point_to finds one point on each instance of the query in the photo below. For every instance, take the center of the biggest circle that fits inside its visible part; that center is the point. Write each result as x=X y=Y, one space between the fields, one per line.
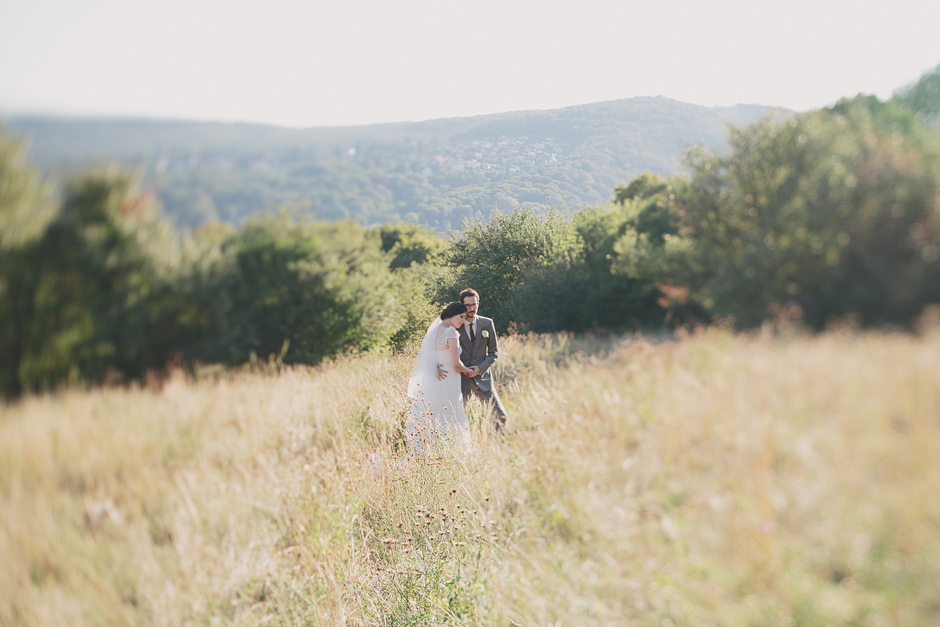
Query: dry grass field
x=713 y=479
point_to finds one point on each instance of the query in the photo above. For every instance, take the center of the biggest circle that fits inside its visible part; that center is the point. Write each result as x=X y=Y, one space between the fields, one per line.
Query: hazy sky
x=337 y=62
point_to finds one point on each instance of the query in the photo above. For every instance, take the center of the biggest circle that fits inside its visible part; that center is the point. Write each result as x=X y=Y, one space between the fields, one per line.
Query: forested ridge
x=801 y=219
x=436 y=173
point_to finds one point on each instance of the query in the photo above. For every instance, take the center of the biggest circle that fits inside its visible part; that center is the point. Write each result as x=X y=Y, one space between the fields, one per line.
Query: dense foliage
x=105 y=289
x=812 y=216
x=816 y=215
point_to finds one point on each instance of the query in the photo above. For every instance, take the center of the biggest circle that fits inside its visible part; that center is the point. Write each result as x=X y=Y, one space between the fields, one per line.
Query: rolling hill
x=438 y=172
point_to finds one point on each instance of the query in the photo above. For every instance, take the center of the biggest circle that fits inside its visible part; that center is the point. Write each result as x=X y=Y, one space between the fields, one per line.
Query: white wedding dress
x=436 y=417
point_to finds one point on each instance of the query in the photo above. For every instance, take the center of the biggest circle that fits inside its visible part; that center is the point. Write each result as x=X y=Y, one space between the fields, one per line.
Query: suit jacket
x=482 y=352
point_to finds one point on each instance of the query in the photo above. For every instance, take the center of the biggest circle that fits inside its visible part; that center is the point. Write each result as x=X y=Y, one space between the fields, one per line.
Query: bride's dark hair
x=453 y=309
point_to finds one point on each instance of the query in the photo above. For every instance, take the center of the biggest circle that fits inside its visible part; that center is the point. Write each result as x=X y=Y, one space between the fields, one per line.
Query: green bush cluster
x=97 y=287
x=817 y=216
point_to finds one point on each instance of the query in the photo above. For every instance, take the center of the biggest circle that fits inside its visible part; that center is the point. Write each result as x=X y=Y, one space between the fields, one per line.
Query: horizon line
x=7 y=116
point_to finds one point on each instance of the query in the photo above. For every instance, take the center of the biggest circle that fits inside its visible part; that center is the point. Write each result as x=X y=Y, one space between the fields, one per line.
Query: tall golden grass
x=713 y=479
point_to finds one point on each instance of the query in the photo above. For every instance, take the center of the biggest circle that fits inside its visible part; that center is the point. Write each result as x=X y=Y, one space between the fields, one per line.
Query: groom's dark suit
x=481 y=352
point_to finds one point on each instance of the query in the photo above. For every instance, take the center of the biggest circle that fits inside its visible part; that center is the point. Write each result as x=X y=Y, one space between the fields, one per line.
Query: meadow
x=710 y=478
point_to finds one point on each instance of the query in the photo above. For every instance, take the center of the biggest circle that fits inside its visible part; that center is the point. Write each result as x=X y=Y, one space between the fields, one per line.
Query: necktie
x=472 y=337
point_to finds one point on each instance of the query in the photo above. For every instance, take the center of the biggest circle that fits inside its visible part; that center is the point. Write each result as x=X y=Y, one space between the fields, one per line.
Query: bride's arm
x=454 y=348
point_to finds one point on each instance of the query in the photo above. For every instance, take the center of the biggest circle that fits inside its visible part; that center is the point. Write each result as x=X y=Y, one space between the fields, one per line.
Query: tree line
x=811 y=216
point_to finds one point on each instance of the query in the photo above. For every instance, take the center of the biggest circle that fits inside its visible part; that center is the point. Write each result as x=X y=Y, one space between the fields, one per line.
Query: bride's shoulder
x=445 y=334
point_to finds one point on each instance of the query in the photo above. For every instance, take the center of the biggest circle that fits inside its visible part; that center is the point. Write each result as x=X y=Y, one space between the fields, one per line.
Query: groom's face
x=472 y=302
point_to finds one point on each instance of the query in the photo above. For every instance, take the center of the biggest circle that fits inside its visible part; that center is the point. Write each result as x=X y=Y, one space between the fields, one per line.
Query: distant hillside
x=437 y=173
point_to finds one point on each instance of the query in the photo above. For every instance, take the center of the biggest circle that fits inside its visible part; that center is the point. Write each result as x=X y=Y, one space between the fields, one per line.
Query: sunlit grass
x=715 y=479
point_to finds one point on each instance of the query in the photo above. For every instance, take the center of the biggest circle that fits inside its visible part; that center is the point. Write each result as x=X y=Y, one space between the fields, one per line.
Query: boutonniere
x=485 y=333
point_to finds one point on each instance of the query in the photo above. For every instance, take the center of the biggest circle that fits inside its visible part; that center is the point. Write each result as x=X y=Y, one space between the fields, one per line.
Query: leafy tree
x=411 y=244
x=641 y=187
x=924 y=96
x=520 y=263
x=415 y=256
x=607 y=299
x=98 y=280
x=25 y=210
x=305 y=290
x=414 y=290
x=24 y=216
x=835 y=210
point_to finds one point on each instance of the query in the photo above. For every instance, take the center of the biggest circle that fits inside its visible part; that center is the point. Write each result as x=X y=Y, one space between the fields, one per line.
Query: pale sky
x=341 y=62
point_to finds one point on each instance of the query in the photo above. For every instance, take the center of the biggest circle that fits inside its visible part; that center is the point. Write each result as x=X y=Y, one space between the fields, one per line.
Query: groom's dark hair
x=468 y=292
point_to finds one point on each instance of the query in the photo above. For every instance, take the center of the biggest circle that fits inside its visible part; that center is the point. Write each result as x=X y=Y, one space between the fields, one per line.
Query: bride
x=436 y=415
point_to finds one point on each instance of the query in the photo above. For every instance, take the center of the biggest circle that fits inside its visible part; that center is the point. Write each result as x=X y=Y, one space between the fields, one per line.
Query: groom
x=478 y=351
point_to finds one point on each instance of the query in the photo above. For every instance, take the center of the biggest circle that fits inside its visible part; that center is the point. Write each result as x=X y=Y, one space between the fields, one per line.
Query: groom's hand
x=474 y=372
x=441 y=373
